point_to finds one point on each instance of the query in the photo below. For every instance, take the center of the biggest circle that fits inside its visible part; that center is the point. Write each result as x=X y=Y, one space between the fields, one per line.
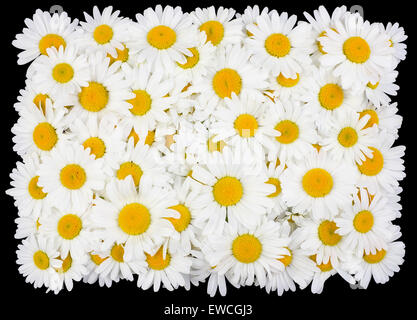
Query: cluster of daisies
x=231 y=149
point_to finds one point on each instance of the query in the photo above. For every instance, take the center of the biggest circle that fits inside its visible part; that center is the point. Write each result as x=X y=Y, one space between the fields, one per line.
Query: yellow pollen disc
x=141 y=103
x=103 y=34
x=372 y=166
x=37 y=224
x=51 y=40
x=94 y=97
x=246 y=125
x=246 y=248
x=134 y=135
x=288 y=82
x=40 y=101
x=97 y=259
x=316 y=146
x=347 y=137
x=278 y=45
x=130 y=168
x=327 y=235
x=375 y=258
x=44 y=136
x=374 y=119
x=66 y=264
x=134 y=219
x=117 y=252
x=363 y=221
x=41 y=260
x=73 y=176
x=161 y=37
x=214 y=31
x=184 y=220
x=96 y=145
x=289 y=131
x=317 y=182
x=69 y=226
x=319 y=46
x=122 y=55
x=215 y=146
x=286 y=259
x=225 y=82
x=35 y=191
x=373 y=86
x=356 y=50
x=277 y=184
x=149 y=140
x=228 y=191
x=391 y=44
x=331 y=96
x=62 y=72
x=324 y=267
x=157 y=261
x=191 y=60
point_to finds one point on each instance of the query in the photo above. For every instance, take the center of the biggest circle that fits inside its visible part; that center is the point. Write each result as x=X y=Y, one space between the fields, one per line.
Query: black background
x=124 y=297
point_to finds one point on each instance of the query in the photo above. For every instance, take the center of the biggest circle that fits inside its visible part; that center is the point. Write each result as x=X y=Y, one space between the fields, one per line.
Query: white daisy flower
x=277 y=45
x=357 y=50
x=221 y=28
x=379 y=92
x=249 y=16
x=44 y=31
x=72 y=269
x=233 y=189
x=319 y=184
x=30 y=199
x=37 y=131
x=92 y=276
x=33 y=94
x=396 y=36
x=37 y=260
x=26 y=227
x=70 y=175
x=104 y=31
x=273 y=173
x=248 y=254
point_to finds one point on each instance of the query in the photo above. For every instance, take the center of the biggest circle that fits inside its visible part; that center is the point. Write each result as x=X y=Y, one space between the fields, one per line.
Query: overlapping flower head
x=208 y=147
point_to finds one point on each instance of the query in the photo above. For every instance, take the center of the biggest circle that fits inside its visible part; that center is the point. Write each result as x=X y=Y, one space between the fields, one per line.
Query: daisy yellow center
x=69 y=226
x=372 y=166
x=117 y=252
x=372 y=86
x=62 y=72
x=66 y=264
x=228 y=191
x=149 y=140
x=363 y=221
x=51 y=40
x=161 y=37
x=227 y=81
x=44 y=136
x=286 y=259
x=324 y=267
x=141 y=103
x=191 y=60
x=331 y=96
x=73 y=176
x=277 y=184
x=356 y=50
x=214 y=31
x=246 y=125
x=184 y=220
x=289 y=131
x=103 y=34
x=96 y=145
x=246 y=248
x=288 y=82
x=347 y=137
x=134 y=219
x=40 y=101
x=327 y=234
x=375 y=258
x=319 y=45
x=157 y=261
x=35 y=191
x=41 y=260
x=317 y=182
x=94 y=97
x=278 y=45
x=373 y=117
x=121 y=55
x=215 y=146
x=97 y=259
x=130 y=168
